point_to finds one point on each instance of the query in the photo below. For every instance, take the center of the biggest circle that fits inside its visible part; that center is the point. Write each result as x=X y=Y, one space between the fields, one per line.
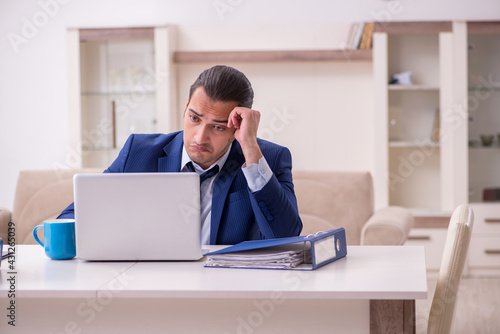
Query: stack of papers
x=277 y=257
x=306 y=252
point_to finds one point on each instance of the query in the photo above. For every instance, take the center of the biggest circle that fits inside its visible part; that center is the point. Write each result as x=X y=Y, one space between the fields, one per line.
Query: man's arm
x=275 y=205
x=246 y=121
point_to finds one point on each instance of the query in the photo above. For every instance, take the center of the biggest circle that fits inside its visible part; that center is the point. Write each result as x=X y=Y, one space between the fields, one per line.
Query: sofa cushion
x=41 y=195
x=334 y=199
x=387 y=226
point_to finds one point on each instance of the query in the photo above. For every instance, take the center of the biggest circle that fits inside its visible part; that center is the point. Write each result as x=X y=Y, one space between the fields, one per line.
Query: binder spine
x=329 y=248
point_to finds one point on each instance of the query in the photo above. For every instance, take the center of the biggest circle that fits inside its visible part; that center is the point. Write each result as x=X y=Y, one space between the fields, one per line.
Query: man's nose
x=202 y=135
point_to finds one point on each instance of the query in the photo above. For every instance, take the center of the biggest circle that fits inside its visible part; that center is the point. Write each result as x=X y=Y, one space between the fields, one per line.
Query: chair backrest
x=450 y=272
x=41 y=195
x=329 y=200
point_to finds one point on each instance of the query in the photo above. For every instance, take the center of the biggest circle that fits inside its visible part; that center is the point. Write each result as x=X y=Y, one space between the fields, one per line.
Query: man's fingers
x=234 y=119
x=238 y=114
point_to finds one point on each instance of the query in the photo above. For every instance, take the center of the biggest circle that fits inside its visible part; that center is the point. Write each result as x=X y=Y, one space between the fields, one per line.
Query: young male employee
x=247 y=188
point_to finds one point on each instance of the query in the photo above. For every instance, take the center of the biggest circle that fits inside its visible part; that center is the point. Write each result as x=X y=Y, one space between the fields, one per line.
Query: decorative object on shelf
x=486 y=140
x=360 y=36
x=355 y=35
x=473 y=143
x=349 y=43
x=366 y=38
x=491 y=195
x=403 y=78
x=436 y=127
x=113 y=121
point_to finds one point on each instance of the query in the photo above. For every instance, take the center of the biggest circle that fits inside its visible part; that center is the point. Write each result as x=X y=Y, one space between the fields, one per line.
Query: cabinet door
x=484 y=114
x=120 y=81
x=484 y=250
x=486 y=218
x=117 y=95
x=433 y=240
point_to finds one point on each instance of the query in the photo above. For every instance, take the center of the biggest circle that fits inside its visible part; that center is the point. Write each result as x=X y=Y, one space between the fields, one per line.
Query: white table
x=372 y=288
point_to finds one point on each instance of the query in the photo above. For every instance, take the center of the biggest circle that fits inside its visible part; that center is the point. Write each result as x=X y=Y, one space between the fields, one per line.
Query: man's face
x=206 y=135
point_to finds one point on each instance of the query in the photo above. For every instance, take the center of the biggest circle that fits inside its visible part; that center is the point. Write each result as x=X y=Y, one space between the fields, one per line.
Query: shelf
x=431 y=220
x=418 y=212
x=413 y=27
x=483 y=88
x=497 y=203
x=128 y=92
x=483 y=27
x=116 y=33
x=272 y=56
x=411 y=144
x=425 y=218
x=414 y=87
x=491 y=147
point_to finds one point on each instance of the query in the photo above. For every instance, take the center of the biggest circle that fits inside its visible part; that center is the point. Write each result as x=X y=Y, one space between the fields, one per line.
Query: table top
x=368 y=272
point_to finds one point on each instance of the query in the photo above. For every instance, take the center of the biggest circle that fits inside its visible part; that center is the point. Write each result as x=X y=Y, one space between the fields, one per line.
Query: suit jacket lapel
x=221 y=187
x=171 y=162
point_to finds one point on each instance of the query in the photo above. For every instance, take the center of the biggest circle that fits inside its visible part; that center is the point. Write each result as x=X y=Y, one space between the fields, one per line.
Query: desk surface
x=368 y=272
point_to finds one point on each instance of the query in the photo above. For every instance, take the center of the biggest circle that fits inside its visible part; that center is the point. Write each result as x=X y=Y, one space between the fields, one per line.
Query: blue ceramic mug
x=58 y=237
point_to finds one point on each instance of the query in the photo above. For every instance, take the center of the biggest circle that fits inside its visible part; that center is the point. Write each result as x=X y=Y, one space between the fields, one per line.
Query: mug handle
x=36 y=236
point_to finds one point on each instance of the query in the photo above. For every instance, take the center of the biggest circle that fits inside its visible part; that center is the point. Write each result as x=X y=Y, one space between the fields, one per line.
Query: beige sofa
x=330 y=200
x=40 y=195
x=326 y=200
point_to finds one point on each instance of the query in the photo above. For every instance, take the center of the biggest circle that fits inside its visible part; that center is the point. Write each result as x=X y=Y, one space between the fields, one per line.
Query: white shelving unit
x=484 y=161
x=412 y=168
x=462 y=80
x=120 y=81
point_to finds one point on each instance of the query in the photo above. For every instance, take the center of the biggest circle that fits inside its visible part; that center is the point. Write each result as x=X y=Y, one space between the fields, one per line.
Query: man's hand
x=246 y=122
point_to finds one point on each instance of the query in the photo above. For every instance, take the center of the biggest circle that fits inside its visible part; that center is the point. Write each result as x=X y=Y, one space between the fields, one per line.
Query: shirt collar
x=199 y=170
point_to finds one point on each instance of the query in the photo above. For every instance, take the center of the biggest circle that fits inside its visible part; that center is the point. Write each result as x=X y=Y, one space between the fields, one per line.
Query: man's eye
x=219 y=128
x=193 y=118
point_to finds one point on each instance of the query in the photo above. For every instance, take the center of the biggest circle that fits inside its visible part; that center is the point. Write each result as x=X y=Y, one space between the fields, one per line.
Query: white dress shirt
x=257 y=176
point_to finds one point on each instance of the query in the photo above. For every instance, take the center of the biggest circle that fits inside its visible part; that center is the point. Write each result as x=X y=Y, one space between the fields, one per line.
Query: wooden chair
x=450 y=272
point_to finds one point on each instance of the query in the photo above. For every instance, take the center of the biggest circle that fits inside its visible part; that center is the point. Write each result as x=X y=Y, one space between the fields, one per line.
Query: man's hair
x=225 y=84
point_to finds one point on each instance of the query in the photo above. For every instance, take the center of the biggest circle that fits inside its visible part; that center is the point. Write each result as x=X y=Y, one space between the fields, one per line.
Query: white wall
x=320 y=110
x=33 y=76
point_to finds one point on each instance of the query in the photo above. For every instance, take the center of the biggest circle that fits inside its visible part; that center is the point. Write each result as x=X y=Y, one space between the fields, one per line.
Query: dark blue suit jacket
x=237 y=213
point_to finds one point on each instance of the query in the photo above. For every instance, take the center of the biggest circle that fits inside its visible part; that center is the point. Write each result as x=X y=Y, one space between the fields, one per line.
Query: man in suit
x=246 y=188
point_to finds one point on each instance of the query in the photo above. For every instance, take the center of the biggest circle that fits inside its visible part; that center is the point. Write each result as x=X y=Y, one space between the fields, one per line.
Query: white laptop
x=137 y=216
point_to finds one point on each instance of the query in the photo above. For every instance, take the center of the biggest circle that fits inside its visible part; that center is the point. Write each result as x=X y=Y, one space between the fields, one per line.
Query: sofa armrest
x=5 y=217
x=387 y=226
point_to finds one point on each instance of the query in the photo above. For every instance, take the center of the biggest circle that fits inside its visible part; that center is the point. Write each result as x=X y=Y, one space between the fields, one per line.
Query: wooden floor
x=477 y=309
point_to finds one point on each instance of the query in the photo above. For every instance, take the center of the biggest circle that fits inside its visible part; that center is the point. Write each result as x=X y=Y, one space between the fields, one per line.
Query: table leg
x=392 y=316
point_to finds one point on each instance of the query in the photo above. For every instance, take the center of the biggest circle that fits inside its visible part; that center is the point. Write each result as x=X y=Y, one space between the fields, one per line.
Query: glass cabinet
x=484 y=116
x=117 y=95
x=121 y=81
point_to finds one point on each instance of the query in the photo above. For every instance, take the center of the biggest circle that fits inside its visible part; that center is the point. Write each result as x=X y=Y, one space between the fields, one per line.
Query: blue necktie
x=206 y=175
